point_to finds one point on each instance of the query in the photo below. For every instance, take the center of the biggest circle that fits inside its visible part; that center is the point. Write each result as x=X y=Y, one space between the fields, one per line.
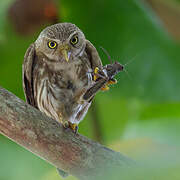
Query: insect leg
x=90 y=93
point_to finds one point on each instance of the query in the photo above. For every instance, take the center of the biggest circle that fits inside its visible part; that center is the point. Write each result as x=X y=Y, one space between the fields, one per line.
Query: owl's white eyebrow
x=71 y=35
x=56 y=40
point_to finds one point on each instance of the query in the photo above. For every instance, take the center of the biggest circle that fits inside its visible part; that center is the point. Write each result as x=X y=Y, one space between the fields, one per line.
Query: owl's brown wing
x=93 y=55
x=28 y=66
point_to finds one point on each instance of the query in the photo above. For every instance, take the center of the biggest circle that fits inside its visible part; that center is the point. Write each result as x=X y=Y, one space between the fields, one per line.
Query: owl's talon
x=96 y=70
x=74 y=127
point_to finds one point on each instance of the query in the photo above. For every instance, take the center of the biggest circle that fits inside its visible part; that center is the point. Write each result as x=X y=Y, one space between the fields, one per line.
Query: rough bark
x=46 y=138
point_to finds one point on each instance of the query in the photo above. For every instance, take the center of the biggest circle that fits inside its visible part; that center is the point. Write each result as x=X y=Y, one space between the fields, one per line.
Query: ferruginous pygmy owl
x=61 y=74
x=57 y=73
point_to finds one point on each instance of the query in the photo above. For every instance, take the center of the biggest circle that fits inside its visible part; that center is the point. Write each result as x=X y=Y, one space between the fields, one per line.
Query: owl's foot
x=70 y=125
x=74 y=127
x=96 y=76
x=66 y=124
x=96 y=70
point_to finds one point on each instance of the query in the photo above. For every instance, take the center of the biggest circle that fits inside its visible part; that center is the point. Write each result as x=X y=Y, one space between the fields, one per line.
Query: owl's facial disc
x=61 y=42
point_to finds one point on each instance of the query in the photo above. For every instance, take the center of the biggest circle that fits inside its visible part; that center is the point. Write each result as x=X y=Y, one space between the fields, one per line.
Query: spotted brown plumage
x=59 y=74
x=56 y=78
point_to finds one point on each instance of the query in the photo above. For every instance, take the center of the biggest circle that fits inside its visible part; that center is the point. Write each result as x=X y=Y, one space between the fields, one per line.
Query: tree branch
x=46 y=138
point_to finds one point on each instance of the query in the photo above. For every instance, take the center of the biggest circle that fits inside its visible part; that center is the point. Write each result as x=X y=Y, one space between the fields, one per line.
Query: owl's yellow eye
x=52 y=44
x=74 y=40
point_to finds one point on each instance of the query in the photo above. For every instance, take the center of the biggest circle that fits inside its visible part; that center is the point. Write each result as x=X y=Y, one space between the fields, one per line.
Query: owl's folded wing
x=93 y=55
x=28 y=65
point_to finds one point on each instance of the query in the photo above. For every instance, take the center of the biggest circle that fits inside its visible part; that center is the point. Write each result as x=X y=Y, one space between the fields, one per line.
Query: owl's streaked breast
x=57 y=85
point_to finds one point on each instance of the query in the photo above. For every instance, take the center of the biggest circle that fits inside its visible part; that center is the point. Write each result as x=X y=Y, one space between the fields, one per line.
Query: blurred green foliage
x=146 y=104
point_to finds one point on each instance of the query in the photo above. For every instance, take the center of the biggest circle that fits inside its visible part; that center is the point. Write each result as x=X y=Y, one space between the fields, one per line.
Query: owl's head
x=61 y=42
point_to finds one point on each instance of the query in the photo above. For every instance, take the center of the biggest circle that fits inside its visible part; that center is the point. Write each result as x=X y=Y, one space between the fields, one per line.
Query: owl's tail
x=62 y=173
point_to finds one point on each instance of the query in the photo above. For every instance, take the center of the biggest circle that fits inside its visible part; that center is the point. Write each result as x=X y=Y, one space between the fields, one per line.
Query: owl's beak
x=65 y=53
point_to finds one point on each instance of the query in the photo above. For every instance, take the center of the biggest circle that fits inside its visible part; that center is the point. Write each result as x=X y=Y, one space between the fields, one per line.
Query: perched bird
x=60 y=74
x=57 y=72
